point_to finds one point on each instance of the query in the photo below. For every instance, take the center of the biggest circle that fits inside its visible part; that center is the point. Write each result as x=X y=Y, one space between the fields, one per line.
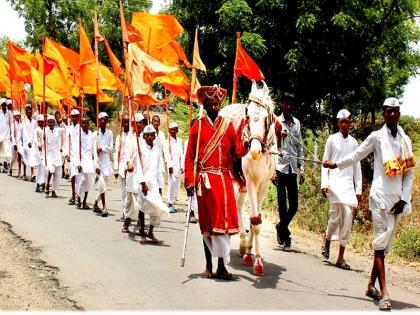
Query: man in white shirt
x=29 y=125
x=390 y=193
x=343 y=187
x=38 y=155
x=86 y=166
x=105 y=140
x=54 y=148
x=74 y=154
x=133 y=163
x=17 y=149
x=174 y=164
x=159 y=139
x=6 y=121
x=151 y=183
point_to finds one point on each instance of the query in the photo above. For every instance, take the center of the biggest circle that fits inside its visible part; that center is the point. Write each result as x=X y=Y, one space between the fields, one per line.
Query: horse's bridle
x=268 y=121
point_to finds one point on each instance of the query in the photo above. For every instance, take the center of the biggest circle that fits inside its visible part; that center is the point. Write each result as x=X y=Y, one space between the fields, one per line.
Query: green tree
x=331 y=54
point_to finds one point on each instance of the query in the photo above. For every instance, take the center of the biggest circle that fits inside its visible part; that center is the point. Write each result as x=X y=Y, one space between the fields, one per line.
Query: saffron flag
x=195 y=85
x=19 y=63
x=176 y=82
x=133 y=34
x=115 y=63
x=144 y=70
x=244 y=65
x=86 y=53
x=197 y=62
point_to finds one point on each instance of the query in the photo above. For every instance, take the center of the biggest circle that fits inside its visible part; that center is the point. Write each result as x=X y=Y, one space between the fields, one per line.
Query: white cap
x=173 y=125
x=138 y=117
x=343 y=114
x=149 y=129
x=9 y=101
x=102 y=115
x=3 y=100
x=74 y=112
x=50 y=117
x=40 y=117
x=16 y=113
x=392 y=102
x=28 y=106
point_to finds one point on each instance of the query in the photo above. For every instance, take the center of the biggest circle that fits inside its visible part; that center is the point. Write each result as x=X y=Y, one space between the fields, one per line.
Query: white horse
x=256 y=123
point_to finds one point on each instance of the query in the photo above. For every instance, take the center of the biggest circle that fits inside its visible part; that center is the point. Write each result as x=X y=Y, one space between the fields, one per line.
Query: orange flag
x=197 y=62
x=133 y=34
x=176 y=82
x=86 y=53
x=19 y=63
x=115 y=63
x=244 y=65
x=144 y=69
x=195 y=85
x=5 y=81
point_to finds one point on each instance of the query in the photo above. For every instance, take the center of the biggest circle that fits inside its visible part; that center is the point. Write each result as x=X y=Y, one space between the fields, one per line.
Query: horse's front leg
x=258 y=268
x=240 y=200
x=252 y=198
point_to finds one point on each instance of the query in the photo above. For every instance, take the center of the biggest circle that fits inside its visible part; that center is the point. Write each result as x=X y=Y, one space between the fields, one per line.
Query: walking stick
x=187 y=223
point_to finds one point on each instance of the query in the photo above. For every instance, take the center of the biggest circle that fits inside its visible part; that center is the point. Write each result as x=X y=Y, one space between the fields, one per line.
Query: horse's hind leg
x=240 y=200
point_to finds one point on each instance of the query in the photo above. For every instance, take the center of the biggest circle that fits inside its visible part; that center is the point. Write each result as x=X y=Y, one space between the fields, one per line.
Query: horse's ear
x=266 y=90
x=254 y=86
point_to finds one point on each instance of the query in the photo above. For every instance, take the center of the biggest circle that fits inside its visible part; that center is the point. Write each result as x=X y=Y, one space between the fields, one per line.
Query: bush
x=407 y=244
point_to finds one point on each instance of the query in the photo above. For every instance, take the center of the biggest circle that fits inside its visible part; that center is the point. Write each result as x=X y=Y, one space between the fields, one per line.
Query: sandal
x=225 y=275
x=104 y=213
x=325 y=252
x=86 y=207
x=343 y=265
x=385 y=304
x=125 y=229
x=374 y=293
x=143 y=240
x=153 y=238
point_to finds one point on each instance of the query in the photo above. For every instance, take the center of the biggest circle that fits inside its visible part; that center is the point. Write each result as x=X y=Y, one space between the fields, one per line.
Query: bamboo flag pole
x=44 y=106
x=127 y=78
x=97 y=70
x=235 y=79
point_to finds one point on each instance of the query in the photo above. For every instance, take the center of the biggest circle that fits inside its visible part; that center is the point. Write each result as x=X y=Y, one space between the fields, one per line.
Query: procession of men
x=141 y=157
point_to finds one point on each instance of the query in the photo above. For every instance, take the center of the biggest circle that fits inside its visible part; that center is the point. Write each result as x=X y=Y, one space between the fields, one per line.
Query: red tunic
x=219 y=145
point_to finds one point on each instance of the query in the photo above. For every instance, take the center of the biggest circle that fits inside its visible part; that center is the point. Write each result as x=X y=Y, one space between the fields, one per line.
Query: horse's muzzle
x=255 y=149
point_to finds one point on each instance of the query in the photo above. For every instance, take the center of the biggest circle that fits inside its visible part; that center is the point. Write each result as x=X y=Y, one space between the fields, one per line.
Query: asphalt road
x=104 y=269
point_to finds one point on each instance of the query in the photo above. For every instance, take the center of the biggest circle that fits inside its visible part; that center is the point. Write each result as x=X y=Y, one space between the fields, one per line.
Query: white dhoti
x=83 y=183
x=219 y=246
x=101 y=185
x=26 y=156
x=131 y=205
x=16 y=152
x=339 y=223
x=5 y=152
x=56 y=176
x=123 y=187
x=41 y=174
x=73 y=170
x=153 y=205
x=384 y=226
x=174 y=184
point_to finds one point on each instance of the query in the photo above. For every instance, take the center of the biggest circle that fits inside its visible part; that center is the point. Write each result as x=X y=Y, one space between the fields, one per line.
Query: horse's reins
x=268 y=123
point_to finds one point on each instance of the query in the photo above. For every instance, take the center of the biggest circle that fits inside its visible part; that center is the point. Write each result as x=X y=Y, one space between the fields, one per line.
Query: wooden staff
x=187 y=223
x=235 y=79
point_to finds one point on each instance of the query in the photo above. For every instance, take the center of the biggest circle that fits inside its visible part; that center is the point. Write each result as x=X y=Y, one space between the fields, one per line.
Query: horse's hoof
x=258 y=269
x=247 y=260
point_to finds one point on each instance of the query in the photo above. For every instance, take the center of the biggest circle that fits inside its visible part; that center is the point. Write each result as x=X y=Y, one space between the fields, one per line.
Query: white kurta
x=152 y=203
x=17 y=131
x=105 y=142
x=88 y=162
x=120 y=168
x=343 y=184
x=175 y=160
x=38 y=156
x=6 y=120
x=159 y=142
x=54 y=147
x=73 y=131
x=28 y=127
x=386 y=191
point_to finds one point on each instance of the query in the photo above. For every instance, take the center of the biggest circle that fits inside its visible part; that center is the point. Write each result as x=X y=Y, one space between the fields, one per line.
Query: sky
x=12 y=25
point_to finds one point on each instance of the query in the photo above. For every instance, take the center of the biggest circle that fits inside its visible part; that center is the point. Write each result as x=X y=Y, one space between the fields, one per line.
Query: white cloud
x=411 y=98
x=158 y=5
x=11 y=25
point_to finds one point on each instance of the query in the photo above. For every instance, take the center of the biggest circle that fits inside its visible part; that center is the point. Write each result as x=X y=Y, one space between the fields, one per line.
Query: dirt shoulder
x=26 y=281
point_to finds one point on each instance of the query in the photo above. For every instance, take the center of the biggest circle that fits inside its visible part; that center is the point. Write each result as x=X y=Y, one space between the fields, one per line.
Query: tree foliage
x=331 y=54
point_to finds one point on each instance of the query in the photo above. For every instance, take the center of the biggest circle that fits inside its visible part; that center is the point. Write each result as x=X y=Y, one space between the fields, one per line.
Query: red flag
x=244 y=65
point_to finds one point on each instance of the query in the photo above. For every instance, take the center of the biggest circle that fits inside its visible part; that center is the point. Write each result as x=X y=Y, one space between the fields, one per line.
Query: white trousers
x=5 y=151
x=219 y=246
x=41 y=174
x=55 y=176
x=101 y=185
x=123 y=186
x=339 y=223
x=84 y=183
x=384 y=226
x=174 y=184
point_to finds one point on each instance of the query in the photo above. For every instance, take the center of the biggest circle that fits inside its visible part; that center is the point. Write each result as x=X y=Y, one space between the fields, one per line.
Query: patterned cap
x=214 y=91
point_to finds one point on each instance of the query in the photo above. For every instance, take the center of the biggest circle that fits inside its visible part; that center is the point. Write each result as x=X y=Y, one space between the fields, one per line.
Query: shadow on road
x=330 y=264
